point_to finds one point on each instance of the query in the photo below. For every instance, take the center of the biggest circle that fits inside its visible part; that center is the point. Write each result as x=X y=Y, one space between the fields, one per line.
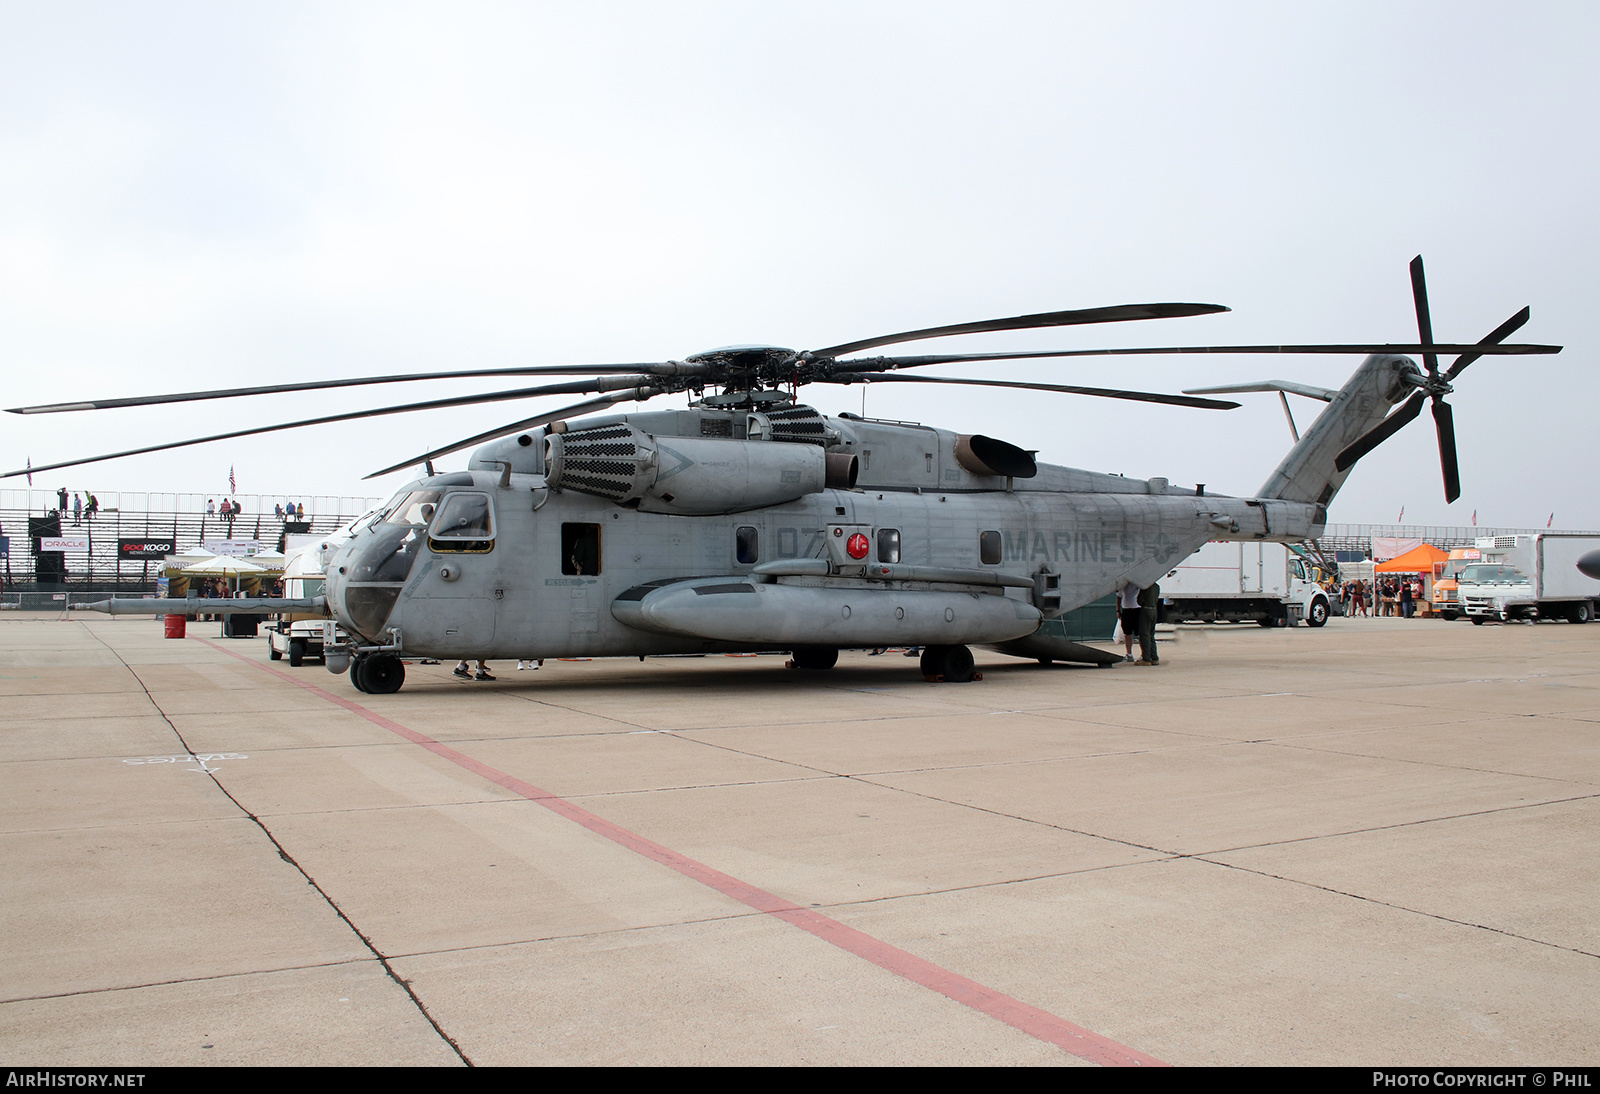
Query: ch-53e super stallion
x=751 y=522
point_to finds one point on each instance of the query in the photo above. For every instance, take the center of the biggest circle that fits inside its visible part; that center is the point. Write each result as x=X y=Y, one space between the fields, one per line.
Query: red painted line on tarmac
x=1034 y=1022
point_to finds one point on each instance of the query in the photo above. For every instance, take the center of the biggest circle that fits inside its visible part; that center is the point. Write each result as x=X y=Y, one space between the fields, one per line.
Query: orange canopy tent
x=1418 y=560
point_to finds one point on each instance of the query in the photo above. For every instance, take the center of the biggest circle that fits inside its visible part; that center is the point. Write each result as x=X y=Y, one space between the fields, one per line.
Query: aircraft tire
x=1319 y=612
x=382 y=674
x=952 y=664
x=815 y=658
x=297 y=652
x=356 y=673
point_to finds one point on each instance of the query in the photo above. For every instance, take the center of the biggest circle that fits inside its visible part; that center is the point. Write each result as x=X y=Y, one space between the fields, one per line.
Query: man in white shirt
x=1128 y=614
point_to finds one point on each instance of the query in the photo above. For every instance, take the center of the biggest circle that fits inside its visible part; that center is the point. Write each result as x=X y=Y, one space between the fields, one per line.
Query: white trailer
x=1253 y=582
x=1532 y=576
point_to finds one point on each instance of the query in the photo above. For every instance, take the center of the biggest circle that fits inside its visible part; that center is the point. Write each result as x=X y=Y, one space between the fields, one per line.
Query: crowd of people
x=1361 y=597
x=230 y=509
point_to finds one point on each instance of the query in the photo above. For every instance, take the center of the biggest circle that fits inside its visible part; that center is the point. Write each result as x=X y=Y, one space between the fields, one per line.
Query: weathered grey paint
x=1094 y=531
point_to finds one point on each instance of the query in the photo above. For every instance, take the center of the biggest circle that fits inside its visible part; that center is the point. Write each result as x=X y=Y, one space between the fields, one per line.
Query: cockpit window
x=465 y=522
x=415 y=509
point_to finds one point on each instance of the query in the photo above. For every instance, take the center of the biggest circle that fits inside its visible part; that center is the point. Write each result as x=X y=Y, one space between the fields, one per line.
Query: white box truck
x=1252 y=582
x=1533 y=576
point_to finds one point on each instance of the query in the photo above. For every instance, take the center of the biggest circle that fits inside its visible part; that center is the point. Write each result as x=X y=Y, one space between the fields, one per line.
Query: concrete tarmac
x=1367 y=844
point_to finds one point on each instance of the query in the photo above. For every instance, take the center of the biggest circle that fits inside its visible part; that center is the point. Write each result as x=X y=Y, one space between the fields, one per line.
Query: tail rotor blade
x=1419 y=295
x=1503 y=331
x=1444 y=423
x=1381 y=432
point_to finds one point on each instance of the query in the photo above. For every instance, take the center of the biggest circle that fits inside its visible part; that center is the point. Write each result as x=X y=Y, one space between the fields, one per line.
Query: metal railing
x=1358 y=537
x=101 y=566
x=39 y=502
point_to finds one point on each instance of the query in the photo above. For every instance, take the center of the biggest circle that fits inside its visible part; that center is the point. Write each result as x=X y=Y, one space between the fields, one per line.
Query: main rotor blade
x=1419 y=296
x=640 y=393
x=1444 y=424
x=656 y=368
x=1502 y=331
x=1120 y=313
x=875 y=364
x=572 y=388
x=1380 y=432
x=1107 y=393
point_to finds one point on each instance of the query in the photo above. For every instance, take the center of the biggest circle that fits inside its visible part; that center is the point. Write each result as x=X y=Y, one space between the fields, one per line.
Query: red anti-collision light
x=856 y=546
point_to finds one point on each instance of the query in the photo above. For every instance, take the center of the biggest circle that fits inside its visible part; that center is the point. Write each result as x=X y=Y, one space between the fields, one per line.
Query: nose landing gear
x=378 y=673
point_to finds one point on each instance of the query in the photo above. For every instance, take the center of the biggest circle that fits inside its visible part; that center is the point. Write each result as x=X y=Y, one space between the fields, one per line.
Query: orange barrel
x=175 y=626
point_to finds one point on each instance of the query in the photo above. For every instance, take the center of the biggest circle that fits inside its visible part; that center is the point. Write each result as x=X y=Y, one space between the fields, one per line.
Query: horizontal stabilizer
x=1310 y=391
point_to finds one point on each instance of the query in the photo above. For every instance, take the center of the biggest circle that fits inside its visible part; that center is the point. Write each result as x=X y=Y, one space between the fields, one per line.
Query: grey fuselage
x=541 y=555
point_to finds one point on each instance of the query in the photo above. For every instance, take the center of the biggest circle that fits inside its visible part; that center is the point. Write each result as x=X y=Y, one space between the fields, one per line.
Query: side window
x=989 y=548
x=465 y=522
x=888 y=545
x=580 y=549
x=746 y=545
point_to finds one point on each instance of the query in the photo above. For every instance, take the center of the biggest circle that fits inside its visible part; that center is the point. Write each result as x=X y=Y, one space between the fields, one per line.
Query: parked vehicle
x=1531 y=576
x=1446 y=596
x=298 y=635
x=1265 y=583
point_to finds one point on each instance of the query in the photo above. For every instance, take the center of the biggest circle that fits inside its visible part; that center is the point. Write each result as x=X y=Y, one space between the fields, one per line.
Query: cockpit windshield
x=415 y=509
x=1489 y=572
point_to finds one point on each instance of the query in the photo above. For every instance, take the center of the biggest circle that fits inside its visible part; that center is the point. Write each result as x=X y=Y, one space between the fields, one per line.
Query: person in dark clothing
x=1149 y=605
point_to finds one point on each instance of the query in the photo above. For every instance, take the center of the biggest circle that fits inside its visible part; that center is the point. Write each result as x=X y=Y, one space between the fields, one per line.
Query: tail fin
x=1308 y=473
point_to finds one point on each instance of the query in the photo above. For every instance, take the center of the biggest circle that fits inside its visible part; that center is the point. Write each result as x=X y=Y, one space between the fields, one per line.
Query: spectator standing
x=1128 y=616
x=1149 y=605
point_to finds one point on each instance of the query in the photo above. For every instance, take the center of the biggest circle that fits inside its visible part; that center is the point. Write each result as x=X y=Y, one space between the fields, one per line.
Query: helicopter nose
x=367 y=581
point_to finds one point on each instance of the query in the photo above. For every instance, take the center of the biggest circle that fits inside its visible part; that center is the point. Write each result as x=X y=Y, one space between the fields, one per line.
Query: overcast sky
x=205 y=195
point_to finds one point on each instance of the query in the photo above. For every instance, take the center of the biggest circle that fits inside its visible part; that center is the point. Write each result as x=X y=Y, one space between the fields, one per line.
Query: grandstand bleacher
x=35 y=579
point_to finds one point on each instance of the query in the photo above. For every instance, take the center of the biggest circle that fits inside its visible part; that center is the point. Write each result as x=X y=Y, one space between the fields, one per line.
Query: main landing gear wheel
x=355 y=673
x=815 y=658
x=297 y=652
x=949 y=664
x=379 y=674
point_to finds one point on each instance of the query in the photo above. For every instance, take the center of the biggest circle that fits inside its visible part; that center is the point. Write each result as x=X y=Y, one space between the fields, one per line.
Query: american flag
x=1474 y=518
x=1401 y=518
x=30 y=470
x=232 y=487
x=1551 y=521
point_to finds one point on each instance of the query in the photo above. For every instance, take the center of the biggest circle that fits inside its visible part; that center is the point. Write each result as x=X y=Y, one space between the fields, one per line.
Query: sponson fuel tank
x=693 y=476
x=732 y=609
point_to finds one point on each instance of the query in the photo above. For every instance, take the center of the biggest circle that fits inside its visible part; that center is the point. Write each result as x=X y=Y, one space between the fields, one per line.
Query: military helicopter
x=751 y=522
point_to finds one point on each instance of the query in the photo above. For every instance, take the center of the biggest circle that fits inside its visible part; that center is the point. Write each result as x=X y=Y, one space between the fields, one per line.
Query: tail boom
x=1308 y=473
